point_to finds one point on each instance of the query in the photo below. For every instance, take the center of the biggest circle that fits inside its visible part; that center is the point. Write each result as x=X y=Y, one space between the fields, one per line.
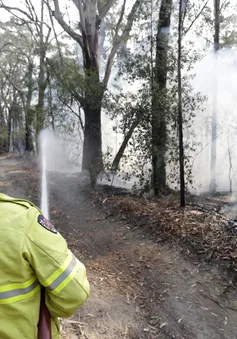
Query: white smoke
x=217 y=76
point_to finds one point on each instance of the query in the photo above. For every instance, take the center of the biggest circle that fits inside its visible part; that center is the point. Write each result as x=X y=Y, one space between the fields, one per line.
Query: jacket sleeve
x=57 y=269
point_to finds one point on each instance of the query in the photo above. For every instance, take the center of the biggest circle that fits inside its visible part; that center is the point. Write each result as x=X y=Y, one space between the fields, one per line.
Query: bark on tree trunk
x=9 y=123
x=4 y=132
x=28 y=139
x=92 y=147
x=40 y=117
x=9 y=132
x=159 y=104
x=28 y=118
x=215 y=104
x=180 y=113
x=230 y=165
x=40 y=107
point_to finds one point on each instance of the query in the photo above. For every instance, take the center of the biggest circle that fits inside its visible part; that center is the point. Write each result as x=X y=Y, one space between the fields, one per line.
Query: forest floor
x=155 y=271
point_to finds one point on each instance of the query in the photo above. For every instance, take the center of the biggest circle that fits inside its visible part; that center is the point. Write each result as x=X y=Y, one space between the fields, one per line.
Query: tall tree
x=40 y=32
x=180 y=112
x=22 y=47
x=16 y=52
x=92 y=14
x=215 y=96
x=159 y=101
x=42 y=81
x=28 y=106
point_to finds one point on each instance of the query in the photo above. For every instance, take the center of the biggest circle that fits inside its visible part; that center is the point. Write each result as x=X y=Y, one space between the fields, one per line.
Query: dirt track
x=140 y=288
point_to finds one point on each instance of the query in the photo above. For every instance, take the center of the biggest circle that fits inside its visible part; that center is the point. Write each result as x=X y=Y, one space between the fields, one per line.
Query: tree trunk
x=9 y=132
x=230 y=165
x=180 y=113
x=2 y=119
x=40 y=118
x=3 y=132
x=92 y=14
x=28 y=118
x=123 y=146
x=159 y=103
x=92 y=147
x=40 y=105
x=11 y=110
x=28 y=138
x=93 y=91
x=214 y=103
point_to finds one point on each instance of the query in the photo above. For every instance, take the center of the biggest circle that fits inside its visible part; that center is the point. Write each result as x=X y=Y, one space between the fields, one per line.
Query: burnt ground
x=147 y=280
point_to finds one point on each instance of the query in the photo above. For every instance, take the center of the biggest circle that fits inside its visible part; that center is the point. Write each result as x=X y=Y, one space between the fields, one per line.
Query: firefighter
x=35 y=255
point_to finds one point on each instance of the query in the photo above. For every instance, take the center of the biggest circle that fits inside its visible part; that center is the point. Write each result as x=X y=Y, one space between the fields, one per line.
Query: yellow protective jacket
x=33 y=254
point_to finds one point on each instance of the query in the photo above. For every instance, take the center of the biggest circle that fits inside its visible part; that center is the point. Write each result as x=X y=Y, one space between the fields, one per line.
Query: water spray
x=44 y=317
x=44 y=189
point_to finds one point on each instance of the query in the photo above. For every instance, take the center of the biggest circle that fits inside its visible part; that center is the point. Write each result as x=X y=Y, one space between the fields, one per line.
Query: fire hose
x=44 y=327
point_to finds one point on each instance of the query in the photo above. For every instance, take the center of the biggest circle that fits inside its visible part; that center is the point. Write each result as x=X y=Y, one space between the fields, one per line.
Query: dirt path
x=140 y=288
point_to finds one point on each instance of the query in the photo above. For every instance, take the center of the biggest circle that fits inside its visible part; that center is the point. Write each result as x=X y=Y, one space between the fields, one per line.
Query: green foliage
x=138 y=69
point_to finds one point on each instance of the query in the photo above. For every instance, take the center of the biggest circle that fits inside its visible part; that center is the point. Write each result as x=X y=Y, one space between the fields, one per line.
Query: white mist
x=224 y=70
x=44 y=186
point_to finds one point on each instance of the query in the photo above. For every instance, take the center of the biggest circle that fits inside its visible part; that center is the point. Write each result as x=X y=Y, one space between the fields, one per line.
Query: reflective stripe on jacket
x=32 y=256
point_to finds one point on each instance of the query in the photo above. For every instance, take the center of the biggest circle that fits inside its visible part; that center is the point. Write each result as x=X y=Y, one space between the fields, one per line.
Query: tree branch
x=48 y=36
x=4 y=45
x=195 y=19
x=118 y=40
x=224 y=5
x=103 y=10
x=58 y=16
x=32 y=16
x=57 y=73
x=31 y=9
x=119 y=155
x=10 y=9
x=78 y=115
x=33 y=13
x=120 y=18
x=55 y=34
x=19 y=90
x=78 y=4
